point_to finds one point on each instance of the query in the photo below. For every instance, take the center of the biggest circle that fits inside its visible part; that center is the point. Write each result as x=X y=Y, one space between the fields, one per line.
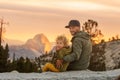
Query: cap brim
x=67 y=26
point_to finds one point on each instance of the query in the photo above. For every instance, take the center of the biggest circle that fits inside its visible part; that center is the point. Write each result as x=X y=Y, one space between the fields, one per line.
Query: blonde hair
x=64 y=39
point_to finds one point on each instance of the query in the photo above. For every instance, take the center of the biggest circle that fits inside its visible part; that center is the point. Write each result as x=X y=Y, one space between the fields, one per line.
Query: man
x=81 y=48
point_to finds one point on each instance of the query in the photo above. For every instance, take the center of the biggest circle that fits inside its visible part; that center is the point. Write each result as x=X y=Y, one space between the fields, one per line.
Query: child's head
x=61 y=41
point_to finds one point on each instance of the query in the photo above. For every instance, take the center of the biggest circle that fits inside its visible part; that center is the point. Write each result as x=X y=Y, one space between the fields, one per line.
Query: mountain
x=34 y=47
x=23 y=51
x=39 y=43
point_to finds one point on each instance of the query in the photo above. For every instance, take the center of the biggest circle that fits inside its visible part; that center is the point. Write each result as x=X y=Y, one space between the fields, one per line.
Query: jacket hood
x=83 y=35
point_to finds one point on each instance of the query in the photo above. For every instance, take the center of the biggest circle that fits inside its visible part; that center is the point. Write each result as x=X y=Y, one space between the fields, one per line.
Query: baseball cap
x=73 y=23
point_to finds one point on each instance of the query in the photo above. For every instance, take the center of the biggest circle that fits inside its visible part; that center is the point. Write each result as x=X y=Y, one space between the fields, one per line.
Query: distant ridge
x=34 y=47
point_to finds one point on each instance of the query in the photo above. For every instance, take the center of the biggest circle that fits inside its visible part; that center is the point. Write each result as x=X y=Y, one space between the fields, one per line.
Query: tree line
x=97 y=61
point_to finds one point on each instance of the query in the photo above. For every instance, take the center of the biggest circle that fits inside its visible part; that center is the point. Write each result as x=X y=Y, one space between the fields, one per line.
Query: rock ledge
x=69 y=75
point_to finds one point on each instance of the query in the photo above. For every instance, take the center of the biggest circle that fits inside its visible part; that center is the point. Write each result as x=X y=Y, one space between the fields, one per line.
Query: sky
x=30 y=17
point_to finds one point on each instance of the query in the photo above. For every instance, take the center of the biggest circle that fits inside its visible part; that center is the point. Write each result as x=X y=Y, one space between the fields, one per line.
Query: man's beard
x=72 y=32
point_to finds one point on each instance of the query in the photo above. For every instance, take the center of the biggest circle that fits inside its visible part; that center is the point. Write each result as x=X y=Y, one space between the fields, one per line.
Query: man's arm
x=76 y=51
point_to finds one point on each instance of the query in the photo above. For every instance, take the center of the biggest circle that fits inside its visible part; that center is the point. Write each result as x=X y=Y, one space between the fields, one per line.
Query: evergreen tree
x=3 y=52
x=9 y=66
x=14 y=63
x=1 y=59
x=28 y=65
x=13 y=57
x=4 y=55
x=21 y=64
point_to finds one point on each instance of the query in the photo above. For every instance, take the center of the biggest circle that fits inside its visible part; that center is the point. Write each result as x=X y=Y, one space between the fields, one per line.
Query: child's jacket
x=59 y=55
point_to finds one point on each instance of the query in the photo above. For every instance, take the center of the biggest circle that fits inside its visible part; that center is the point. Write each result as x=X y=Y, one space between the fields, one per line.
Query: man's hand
x=59 y=63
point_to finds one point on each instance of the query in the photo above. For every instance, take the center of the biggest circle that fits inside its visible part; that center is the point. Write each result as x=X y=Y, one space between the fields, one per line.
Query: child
x=62 y=49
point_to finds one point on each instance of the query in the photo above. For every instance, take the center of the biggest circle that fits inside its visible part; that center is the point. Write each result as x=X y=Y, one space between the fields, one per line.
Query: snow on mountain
x=32 y=48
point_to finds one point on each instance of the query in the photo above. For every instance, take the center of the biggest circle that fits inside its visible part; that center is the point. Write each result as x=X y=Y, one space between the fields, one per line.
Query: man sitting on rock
x=81 y=48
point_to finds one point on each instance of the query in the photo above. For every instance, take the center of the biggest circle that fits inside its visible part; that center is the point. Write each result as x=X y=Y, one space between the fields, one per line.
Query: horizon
x=28 y=18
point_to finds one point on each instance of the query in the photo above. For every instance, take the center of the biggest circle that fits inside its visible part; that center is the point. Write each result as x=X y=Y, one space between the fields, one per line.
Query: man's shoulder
x=76 y=39
x=81 y=36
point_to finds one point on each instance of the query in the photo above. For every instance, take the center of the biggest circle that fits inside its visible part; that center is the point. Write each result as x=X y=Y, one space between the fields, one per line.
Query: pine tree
x=28 y=65
x=1 y=59
x=34 y=67
x=14 y=63
x=13 y=57
x=3 y=52
x=21 y=64
x=4 y=55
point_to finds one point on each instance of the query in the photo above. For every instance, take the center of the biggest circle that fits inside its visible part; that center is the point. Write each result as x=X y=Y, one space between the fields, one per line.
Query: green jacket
x=59 y=55
x=81 y=49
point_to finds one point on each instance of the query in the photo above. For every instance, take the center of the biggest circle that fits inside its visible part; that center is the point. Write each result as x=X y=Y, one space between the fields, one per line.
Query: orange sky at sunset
x=30 y=17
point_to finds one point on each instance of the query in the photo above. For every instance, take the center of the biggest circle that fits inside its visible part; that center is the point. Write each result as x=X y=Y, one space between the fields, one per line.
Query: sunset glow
x=30 y=17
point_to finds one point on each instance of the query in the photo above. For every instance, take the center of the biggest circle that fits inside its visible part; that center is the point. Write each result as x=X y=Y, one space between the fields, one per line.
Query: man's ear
x=78 y=29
